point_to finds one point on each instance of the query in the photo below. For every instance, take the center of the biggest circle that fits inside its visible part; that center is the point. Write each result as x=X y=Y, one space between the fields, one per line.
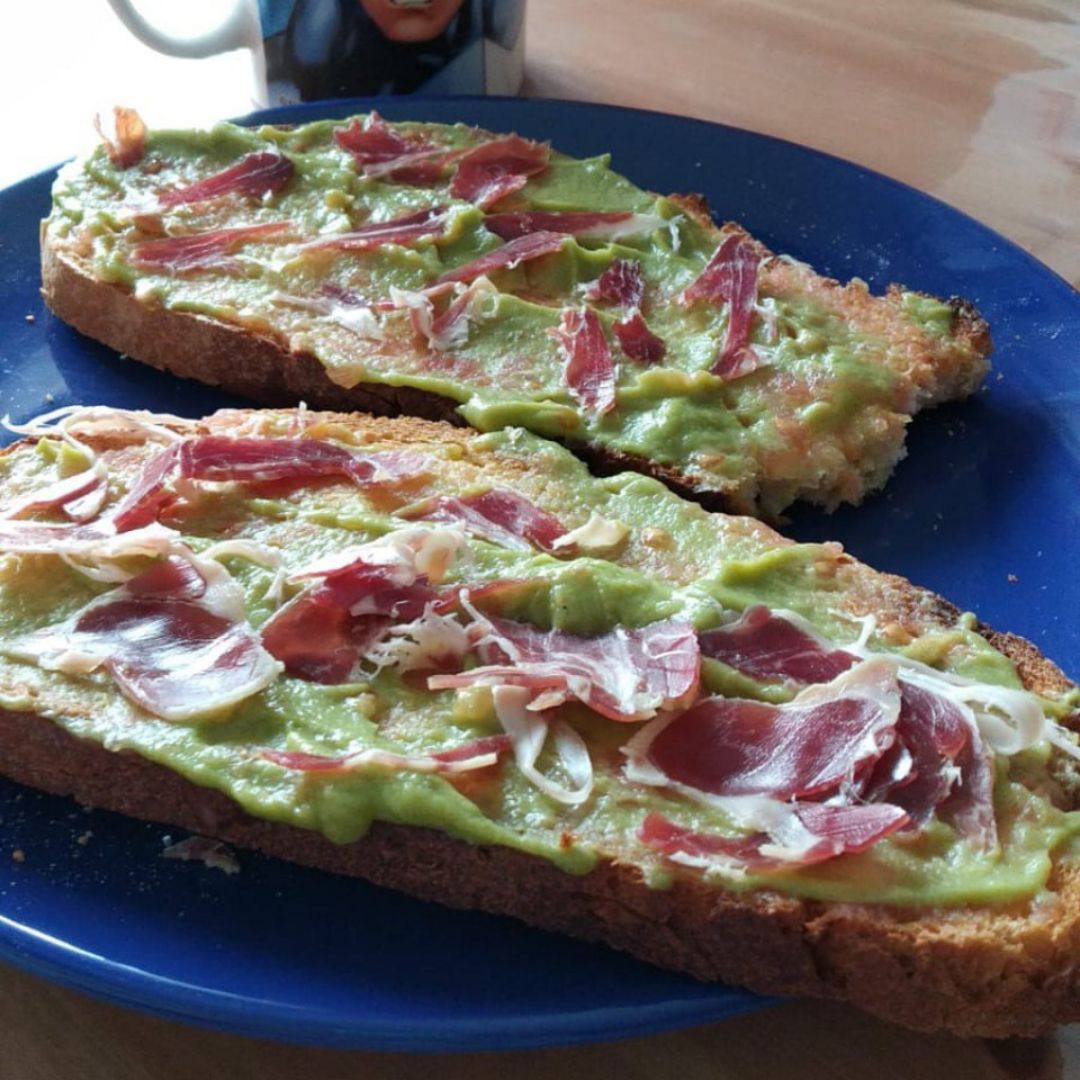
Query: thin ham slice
x=402 y=231
x=731 y=277
x=173 y=639
x=383 y=152
x=768 y=646
x=128 y=144
x=638 y=341
x=206 y=250
x=622 y=283
x=489 y=172
x=356 y=598
x=500 y=516
x=255 y=175
x=580 y=223
x=819 y=743
x=831 y=831
x=626 y=674
x=588 y=370
x=506 y=257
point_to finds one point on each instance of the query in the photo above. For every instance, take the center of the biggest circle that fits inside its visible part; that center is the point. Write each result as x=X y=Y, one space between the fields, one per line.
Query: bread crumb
x=659 y=539
x=1012 y=579
x=18 y=855
x=204 y=849
x=29 y=317
x=84 y=839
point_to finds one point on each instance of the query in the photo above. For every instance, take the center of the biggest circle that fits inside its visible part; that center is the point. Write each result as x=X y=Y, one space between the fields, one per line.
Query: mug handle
x=236 y=31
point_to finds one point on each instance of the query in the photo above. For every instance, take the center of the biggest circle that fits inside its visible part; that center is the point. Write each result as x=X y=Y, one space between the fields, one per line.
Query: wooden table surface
x=974 y=101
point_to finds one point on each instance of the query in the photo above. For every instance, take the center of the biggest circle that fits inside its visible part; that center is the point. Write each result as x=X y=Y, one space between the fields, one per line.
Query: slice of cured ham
x=69 y=494
x=731 y=276
x=768 y=646
x=622 y=283
x=506 y=257
x=626 y=674
x=206 y=250
x=174 y=640
x=599 y=225
x=255 y=175
x=500 y=516
x=828 y=831
x=588 y=370
x=356 y=598
x=825 y=739
x=383 y=152
x=402 y=231
x=489 y=172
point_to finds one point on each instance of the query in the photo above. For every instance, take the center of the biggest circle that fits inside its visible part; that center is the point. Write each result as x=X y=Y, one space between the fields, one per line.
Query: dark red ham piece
x=255 y=175
x=769 y=647
x=402 y=231
x=205 y=250
x=638 y=341
x=621 y=283
x=836 y=829
x=128 y=144
x=731 y=277
x=488 y=172
x=148 y=493
x=506 y=257
x=320 y=643
x=588 y=371
x=627 y=674
x=503 y=517
x=517 y=223
x=375 y=141
x=172 y=578
x=824 y=738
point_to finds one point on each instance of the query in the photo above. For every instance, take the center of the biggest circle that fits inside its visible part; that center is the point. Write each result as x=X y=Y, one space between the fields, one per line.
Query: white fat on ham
x=358 y=319
x=450 y=330
x=529 y=732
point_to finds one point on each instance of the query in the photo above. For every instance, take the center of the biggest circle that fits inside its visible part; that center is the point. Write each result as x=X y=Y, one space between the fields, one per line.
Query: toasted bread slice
x=370 y=768
x=628 y=326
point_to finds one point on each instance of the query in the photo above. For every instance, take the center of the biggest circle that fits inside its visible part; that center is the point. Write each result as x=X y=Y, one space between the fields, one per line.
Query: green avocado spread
x=674 y=559
x=821 y=418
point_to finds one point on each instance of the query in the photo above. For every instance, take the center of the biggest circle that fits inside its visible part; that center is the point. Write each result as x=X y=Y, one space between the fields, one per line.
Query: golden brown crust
x=976 y=971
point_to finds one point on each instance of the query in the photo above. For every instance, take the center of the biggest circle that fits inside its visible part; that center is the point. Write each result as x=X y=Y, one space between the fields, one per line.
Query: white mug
x=304 y=50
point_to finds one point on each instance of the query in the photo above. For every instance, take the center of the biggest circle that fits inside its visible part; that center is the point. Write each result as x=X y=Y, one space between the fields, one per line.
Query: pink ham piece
x=481 y=753
x=506 y=257
x=383 y=152
x=489 y=172
x=825 y=738
x=833 y=831
x=624 y=675
x=585 y=224
x=255 y=175
x=731 y=276
x=173 y=639
x=401 y=231
x=769 y=647
x=206 y=250
x=502 y=517
x=588 y=370
x=622 y=283
x=128 y=144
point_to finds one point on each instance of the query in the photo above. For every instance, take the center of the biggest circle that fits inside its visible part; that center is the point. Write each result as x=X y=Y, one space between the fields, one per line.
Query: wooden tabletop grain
x=974 y=101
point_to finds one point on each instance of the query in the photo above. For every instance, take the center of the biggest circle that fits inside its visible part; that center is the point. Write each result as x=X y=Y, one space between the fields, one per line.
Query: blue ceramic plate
x=985 y=509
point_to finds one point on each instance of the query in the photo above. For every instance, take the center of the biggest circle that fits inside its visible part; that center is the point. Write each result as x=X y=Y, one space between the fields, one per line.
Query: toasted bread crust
x=977 y=971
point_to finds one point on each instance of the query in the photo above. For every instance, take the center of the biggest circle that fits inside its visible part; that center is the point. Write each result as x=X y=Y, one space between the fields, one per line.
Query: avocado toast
x=583 y=702
x=446 y=272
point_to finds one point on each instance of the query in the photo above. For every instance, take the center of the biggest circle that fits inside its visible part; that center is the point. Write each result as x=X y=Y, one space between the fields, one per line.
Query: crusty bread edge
x=974 y=971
